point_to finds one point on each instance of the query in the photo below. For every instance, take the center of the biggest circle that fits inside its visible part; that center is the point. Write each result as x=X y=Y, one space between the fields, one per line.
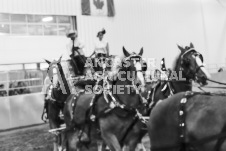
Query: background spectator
x=220 y=70
x=2 y=90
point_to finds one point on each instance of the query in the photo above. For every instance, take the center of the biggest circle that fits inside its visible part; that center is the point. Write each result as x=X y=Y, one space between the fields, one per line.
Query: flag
x=98 y=7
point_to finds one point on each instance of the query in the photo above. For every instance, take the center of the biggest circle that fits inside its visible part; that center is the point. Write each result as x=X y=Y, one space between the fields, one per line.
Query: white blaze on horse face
x=138 y=66
x=104 y=65
x=199 y=63
x=54 y=71
x=116 y=64
x=140 y=75
x=55 y=76
x=55 y=79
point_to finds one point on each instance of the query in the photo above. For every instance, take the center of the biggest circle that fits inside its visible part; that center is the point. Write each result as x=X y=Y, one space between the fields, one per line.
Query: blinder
x=51 y=74
x=137 y=58
x=194 y=52
x=144 y=66
x=101 y=55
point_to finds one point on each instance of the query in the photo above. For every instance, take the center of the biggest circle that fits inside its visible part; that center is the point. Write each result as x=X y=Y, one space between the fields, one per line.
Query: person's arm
x=81 y=45
x=107 y=49
x=92 y=54
x=69 y=48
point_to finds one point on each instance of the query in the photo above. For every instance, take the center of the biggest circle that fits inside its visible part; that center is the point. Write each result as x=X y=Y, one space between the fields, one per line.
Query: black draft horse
x=188 y=66
x=189 y=121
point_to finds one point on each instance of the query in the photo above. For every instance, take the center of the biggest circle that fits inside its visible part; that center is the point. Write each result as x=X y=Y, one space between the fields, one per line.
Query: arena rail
x=28 y=87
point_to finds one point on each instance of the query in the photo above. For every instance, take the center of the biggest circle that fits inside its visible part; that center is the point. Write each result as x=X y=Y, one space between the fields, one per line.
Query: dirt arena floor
x=26 y=139
x=32 y=139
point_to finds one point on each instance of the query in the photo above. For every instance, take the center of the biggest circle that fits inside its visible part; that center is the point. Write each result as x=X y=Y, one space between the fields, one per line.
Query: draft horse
x=189 y=121
x=118 y=117
x=59 y=91
x=81 y=101
x=188 y=67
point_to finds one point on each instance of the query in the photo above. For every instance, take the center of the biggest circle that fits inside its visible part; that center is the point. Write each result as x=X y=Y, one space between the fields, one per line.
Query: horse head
x=134 y=66
x=56 y=75
x=191 y=64
x=53 y=70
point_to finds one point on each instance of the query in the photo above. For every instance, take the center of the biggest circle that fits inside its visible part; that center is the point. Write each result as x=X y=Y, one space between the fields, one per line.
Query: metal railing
x=213 y=68
x=21 y=89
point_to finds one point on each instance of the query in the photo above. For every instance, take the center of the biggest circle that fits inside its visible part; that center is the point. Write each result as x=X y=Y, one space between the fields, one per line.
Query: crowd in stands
x=15 y=88
x=2 y=90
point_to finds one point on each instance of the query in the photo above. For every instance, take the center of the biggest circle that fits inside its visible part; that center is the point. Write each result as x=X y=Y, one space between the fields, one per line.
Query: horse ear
x=191 y=45
x=47 y=61
x=181 y=48
x=141 y=52
x=126 y=53
x=59 y=60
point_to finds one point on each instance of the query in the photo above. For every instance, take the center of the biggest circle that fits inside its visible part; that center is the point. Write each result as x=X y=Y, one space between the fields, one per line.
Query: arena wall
x=156 y=25
x=21 y=110
x=159 y=25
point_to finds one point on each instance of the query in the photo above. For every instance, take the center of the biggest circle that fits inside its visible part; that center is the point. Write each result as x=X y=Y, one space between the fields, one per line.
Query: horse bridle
x=194 y=74
x=141 y=70
x=57 y=85
x=131 y=56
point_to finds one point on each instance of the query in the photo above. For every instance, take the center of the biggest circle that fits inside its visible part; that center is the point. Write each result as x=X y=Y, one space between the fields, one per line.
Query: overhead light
x=47 y=19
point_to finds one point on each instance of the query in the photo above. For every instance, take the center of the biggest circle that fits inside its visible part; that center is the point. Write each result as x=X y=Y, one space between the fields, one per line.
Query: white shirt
x=77 y=43
x=100 y=46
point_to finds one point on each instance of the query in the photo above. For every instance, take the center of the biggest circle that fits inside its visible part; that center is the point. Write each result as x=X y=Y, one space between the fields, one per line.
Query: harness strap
x=44 y=116
x=135 y=120
x=172 y=90
x=199 y=67
x=166 y=147
x=182 y=116
x=216 y=81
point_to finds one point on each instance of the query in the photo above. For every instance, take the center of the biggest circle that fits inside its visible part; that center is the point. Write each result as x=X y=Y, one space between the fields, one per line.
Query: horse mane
x=63 y=78
x=176 y=62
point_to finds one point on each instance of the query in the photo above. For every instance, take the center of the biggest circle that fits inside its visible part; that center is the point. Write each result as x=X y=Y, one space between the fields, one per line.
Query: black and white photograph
x=112 y=75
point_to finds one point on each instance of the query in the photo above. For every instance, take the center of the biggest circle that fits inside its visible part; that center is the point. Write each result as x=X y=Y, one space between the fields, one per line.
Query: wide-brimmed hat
x=101 y=32
x=71 y=33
